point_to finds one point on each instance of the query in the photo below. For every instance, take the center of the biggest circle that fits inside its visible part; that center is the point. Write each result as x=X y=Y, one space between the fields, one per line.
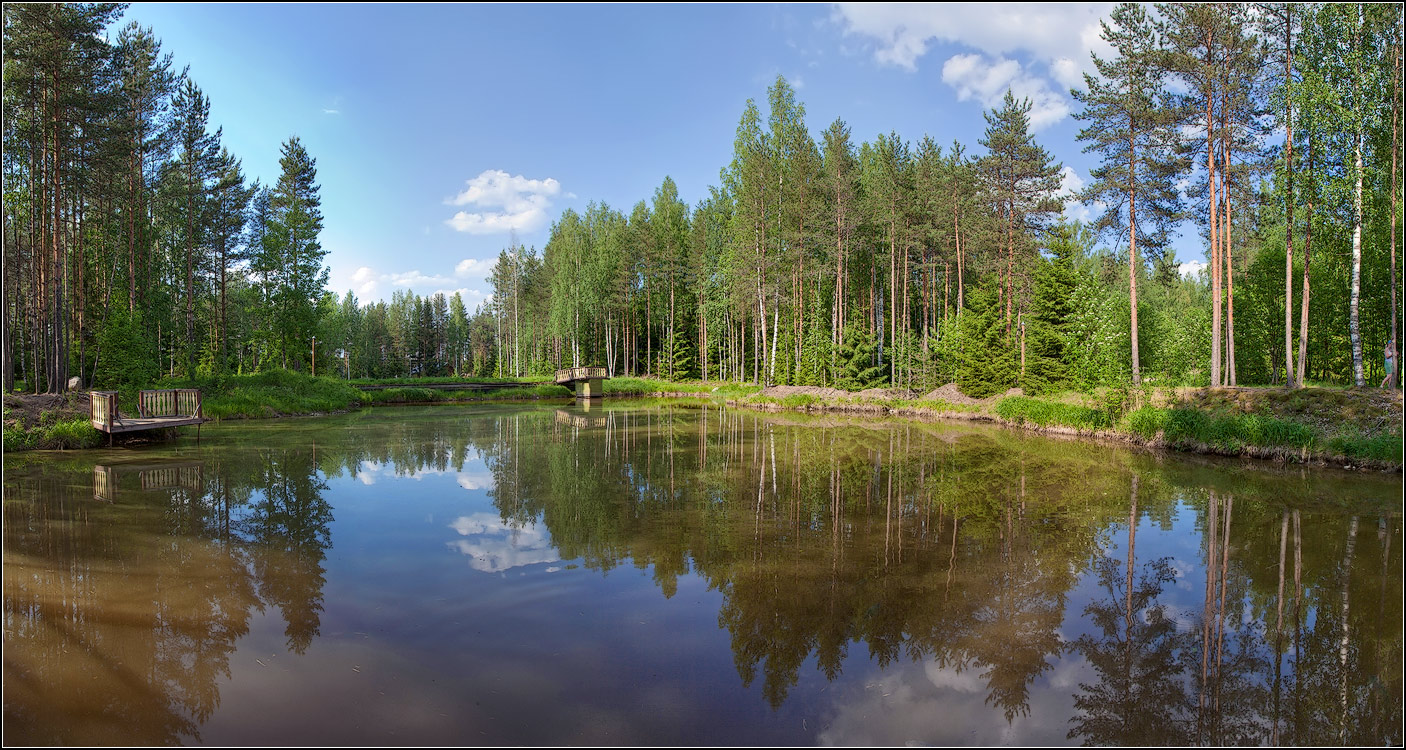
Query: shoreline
x=1354 y=429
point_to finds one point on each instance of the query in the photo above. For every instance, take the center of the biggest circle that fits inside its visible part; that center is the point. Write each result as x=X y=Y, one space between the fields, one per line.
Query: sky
x=441 y=130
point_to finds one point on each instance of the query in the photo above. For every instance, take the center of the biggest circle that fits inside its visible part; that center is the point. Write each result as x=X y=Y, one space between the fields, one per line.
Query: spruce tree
x=294 y=223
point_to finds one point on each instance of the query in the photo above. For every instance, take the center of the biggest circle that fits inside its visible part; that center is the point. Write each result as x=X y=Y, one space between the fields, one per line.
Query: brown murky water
x=639 y=575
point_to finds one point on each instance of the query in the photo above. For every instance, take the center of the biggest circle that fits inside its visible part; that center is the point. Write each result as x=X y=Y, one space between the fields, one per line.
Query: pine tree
x=1135 y=131
x=1021 y=180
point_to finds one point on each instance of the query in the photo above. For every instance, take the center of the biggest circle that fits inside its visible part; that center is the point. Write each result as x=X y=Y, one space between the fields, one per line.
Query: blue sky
x=438 y=129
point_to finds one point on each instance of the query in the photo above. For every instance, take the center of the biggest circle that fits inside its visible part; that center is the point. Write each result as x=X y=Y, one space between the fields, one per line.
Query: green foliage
x=125 y=354
x=1055 y=278
x=1097 y=345
x=988 y=358
x=858 y=361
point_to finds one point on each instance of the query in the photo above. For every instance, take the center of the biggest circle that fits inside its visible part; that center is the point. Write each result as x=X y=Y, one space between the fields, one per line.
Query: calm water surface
x=641 y=575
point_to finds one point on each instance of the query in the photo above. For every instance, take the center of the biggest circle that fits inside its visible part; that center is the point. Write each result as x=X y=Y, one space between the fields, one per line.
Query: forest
x=136 y=248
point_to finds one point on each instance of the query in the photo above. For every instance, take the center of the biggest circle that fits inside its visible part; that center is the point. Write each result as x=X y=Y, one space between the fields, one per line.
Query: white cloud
x=1068 y=73
x=1057 y=37
x=1191 y=269
x=474 y=268
x=504 y=202
x=481 y=480
x=331 y=112
x=415 y=278
x=1070 y=185
x=902 y=32
x=976 y=77
x=368 y=284
x=463 y=292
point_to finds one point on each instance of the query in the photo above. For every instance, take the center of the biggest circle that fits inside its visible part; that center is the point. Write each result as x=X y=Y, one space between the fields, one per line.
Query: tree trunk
x=1303 y=301
x=1289 y=202
x=1227 y=251
x=1212 y=232
x=1395 y=196
x=1132 y=257
x=1354 y=325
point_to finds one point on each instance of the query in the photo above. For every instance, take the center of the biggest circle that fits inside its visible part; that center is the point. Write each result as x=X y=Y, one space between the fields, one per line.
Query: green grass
x=54 y=435
x=1234 y=433
x=269 y=394
x=652 y=386
x=446 y=379
x=1027 y=410
x=410 y=395
x=1384 y=448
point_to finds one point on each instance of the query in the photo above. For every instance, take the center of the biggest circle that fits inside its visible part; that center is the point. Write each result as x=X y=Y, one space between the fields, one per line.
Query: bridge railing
x=571 y=374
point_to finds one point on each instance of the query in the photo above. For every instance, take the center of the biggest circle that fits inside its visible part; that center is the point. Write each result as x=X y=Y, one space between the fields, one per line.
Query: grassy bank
x=419 y=395
x=267 y=394
x=1359 y=427
x=48 y=422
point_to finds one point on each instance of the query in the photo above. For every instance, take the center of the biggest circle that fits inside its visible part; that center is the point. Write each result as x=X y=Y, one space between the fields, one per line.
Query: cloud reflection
x=924 y=703
x=494 y=546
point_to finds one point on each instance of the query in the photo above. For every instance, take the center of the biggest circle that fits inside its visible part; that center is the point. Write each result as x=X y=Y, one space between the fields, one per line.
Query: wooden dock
x=156 y=410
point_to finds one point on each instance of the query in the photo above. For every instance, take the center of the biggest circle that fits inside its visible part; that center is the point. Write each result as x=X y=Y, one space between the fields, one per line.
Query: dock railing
x=170 y=402
x=103 y=409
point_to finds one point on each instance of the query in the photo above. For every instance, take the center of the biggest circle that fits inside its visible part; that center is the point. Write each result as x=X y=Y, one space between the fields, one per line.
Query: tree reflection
x=289 y=522
x=134 y=607
x=1140 y=698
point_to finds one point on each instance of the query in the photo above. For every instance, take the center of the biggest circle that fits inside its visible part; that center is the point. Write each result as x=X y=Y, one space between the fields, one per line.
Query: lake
x=638 y=573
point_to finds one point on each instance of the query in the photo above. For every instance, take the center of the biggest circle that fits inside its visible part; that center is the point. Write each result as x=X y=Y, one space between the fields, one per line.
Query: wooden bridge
x=156 y=410
x=586 y=380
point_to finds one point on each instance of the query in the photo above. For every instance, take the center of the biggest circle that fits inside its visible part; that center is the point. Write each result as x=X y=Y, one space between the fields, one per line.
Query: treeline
x=134 y=245
x=1273 y=131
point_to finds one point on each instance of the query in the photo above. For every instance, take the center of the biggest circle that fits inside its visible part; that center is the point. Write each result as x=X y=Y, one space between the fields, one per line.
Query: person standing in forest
x=1390 y=380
